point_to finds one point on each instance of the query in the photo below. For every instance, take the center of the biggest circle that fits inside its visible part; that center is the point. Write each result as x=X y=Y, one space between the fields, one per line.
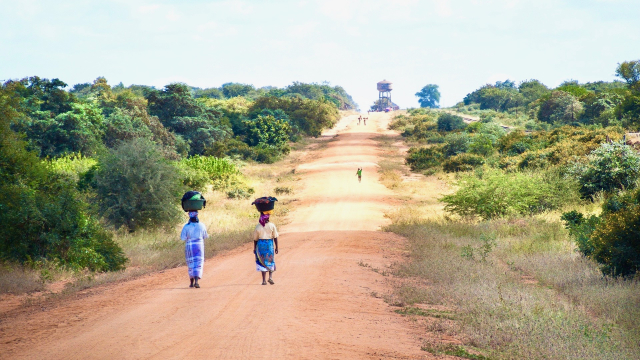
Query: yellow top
x=268 y=231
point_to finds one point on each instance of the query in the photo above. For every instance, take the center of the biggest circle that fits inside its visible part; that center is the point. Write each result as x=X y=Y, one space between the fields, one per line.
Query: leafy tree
x=231 y=90
x=574 y=88
x=612 y=166
x=79 y=130
x=125 y=124
x=268 y=131
x=450 y=122
x=310 y=116
x=560 y=107
x=429 y=96
x=630 y=72
x=532 y=90
x=176 y=108
x=137 y=187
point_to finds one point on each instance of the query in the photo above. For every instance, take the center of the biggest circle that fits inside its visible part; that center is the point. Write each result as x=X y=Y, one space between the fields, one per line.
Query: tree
x=450 y=122
x=231 y=90
x=630 y=72
x=267 y=130
x=532 y=90
x=560 y=107
x=429 y=96
x=137 y=187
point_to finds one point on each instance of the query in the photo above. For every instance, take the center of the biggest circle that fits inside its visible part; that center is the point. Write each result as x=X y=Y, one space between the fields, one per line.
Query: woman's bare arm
x=275 y=240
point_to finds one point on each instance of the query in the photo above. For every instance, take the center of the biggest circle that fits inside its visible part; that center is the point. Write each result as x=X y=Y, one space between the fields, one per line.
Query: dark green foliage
x=560 y=107
x=493 y=193
x=125 y=124
x=450 y=122
x=612 y=166
x=630 y=72
x=455 y=144
x=137 y=187
x=336 y=94
x=612 y=239
x=267 y=130
x=462 y=162
x=200 y=126
x=420 y=159
x=310 y=116
x=532 y=90
x=42 y=216
x=79 y=130
x=429 y=96
x=231 y=90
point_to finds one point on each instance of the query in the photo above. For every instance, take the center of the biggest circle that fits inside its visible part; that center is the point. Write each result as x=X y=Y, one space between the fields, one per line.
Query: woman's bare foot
x=264 y=282
x=271 y=281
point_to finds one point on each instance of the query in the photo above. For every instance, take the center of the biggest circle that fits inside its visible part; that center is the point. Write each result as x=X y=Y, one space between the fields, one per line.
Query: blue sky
x=459 y=45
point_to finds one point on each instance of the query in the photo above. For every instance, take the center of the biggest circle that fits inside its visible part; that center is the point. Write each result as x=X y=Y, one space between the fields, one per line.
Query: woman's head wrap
x=193 y=216
x=264 y=219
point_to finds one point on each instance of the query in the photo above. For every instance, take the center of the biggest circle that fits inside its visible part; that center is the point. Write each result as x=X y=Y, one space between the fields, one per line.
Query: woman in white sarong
x=193 y=234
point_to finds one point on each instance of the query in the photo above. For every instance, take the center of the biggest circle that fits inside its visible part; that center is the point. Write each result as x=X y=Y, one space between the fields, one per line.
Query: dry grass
x=15 y=279
x=571 y=313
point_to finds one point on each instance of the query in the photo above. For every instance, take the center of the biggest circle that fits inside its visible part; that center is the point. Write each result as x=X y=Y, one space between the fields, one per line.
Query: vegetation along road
x=321 y=306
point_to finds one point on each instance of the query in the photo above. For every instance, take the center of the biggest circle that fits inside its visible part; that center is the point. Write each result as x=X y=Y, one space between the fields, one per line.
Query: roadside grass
x=532 y=297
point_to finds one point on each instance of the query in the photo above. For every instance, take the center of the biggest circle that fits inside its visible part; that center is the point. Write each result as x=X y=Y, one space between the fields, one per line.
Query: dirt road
x=323 y=305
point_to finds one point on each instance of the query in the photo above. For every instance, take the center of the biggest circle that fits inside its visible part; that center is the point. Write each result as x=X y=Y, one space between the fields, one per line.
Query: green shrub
x=241 y=192
x=493 y=193
x=612 y=239
x=424 y=158
x=462 y=162
x=456 y=143
x=137 y=187
x=613 y=166
x=450 y=122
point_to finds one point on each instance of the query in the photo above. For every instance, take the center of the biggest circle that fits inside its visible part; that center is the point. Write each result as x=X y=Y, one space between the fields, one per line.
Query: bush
x=424 y=158
x=613 y=166
x=450 y=122
x=137 y=187
x=456 y=144
x=462 y=162
x=494 y=193
x=612 y=239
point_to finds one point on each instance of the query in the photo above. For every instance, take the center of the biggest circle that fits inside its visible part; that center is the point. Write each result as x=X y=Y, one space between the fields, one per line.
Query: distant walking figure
x=359 y=119
x=264 y=237
x=359 y=173
x=193 y=234
x=365 y=121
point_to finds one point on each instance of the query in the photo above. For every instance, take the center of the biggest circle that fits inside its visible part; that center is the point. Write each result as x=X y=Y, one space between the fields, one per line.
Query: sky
x=458 y=45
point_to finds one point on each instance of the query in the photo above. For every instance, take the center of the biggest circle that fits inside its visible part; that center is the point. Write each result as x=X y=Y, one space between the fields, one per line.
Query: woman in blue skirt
x=193 y=234
x=265 y=237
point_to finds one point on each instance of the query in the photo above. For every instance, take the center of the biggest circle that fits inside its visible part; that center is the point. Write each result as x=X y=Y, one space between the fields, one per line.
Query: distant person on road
x=365 y=121
x=265 y=236
x=359 y=119
x=359 y=173
x=193 y=234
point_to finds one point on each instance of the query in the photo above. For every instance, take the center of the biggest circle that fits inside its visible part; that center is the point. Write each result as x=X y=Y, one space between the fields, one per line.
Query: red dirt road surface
x=321 y=307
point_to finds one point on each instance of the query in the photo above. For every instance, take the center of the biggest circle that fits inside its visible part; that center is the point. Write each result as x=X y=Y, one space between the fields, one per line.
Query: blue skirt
x=265 y=255
x=194 y=254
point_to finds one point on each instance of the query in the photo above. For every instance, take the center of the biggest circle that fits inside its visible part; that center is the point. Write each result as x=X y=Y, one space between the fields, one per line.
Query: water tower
x=384 y=95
